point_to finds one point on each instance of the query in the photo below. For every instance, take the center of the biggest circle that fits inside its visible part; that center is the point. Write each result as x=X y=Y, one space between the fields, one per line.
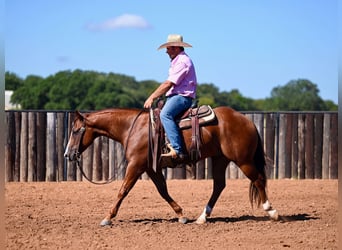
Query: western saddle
x=192 y=118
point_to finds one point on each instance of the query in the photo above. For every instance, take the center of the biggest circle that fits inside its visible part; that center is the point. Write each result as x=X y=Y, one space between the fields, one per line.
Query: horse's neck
x=114 y=123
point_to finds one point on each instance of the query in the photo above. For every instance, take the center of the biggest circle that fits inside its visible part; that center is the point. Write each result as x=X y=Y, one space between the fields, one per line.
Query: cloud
x=62 y=59
x=125 y=21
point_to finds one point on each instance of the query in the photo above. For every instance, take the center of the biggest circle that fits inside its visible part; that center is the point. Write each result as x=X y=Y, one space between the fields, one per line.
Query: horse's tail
x=260 y=163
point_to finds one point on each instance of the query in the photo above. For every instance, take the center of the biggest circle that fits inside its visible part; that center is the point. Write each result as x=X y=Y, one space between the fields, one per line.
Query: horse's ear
x=79 y=115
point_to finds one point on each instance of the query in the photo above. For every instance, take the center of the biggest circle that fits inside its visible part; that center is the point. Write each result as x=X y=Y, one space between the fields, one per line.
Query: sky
x=252 y=46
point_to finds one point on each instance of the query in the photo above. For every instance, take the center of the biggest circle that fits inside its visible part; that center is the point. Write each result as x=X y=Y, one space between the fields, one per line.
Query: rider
x=180 y=90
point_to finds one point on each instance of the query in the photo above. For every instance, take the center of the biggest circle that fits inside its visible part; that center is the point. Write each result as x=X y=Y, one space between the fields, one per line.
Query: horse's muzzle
x=72 y=155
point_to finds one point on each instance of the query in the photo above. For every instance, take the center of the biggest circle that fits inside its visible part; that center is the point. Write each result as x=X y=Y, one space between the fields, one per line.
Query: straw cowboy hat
x=174 y=40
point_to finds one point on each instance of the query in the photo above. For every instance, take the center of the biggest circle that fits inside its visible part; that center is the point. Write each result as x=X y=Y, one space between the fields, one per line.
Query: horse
x=230 y=137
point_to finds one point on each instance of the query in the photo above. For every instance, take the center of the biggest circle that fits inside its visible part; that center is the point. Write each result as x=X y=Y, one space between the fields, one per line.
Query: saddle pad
x=205 y=114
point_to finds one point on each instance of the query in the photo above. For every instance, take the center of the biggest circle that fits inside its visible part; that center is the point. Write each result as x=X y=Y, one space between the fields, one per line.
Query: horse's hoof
x=273 y=214
x=105 y=222
x=183 y=220
x=201 y=220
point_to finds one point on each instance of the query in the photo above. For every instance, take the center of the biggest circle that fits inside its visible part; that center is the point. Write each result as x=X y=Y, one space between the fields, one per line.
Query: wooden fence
x=297 y=145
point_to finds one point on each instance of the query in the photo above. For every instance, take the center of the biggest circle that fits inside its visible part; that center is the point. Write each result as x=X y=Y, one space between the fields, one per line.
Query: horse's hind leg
x=219 y=169
x=257 y=190
x=160 y=183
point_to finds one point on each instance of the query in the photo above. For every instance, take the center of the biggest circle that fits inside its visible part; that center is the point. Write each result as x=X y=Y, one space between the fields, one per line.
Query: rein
x=78 y=155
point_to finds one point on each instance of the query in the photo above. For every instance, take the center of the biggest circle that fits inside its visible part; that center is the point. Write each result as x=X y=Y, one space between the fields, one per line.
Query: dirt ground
x=67 y=215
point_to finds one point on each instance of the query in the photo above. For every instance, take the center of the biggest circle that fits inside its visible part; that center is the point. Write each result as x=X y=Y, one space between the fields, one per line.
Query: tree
x=330 y=105
x=31 y=94
x=69 y=89
x=235 y=100
x=91 y=90
x=206 y=94
x=296 y=95
x=12 y=81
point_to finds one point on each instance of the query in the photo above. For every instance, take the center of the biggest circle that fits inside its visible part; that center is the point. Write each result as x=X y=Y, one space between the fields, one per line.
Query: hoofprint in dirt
x=67 y=215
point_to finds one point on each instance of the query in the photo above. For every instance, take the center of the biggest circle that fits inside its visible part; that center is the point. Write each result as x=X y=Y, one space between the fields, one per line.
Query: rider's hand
x=148 y=103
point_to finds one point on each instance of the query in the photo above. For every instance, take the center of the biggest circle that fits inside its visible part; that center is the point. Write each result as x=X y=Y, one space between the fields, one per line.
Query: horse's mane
x=114 y=109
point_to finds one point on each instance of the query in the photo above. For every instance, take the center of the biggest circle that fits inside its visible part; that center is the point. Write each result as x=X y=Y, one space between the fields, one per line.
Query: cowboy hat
x=174 y=40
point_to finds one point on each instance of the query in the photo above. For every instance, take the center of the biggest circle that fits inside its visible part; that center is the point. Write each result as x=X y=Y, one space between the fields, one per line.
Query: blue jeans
x=174 y=106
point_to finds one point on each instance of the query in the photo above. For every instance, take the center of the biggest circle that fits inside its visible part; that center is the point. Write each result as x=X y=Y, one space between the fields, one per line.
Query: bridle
x=77 y=158
x=81 y=131
x=78 y=154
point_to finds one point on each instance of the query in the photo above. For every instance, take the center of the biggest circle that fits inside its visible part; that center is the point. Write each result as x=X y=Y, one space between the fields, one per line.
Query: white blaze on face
x=67 y=148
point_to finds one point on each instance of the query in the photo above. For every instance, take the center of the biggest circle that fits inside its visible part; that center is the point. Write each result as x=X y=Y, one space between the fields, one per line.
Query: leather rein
x=78 y=155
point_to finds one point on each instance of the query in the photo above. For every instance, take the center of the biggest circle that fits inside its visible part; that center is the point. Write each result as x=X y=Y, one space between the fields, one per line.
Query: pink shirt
x=182 y=74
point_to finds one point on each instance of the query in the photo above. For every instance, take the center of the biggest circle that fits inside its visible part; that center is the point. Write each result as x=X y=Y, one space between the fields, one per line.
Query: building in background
x=8 y=104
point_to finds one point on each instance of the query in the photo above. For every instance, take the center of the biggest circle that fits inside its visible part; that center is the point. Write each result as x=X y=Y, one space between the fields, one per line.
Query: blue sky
x=252 y=46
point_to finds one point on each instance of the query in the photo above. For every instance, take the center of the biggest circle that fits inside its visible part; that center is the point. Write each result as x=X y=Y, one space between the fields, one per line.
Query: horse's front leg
x=160 y=183
x=131 y=177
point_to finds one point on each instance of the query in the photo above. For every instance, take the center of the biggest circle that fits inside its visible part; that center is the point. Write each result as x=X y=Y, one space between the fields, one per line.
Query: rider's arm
x=161 y=90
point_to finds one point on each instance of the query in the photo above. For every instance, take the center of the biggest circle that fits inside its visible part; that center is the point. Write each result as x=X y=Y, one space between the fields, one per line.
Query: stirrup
x=172 y=152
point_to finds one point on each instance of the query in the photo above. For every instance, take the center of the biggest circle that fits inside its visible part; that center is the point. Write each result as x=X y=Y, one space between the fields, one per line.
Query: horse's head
x=76 y=143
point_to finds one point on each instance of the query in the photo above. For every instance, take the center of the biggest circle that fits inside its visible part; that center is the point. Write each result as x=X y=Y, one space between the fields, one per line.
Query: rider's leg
x=173 y=107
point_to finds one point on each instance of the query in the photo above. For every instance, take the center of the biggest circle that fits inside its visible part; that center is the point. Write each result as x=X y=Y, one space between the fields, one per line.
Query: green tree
x=12 y=81
x=101 y=93
x=207 y=94
x=330 y=105
x=69 y=89
x=235 y=100
x=296 y=95
x=91 y=90
x=31 y=94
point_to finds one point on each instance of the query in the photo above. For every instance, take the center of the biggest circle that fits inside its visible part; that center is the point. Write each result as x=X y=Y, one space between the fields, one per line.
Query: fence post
x=309 y=152
x=23 y=147
x=41 y=146
x=288 y=145
x=32 y=148
x=258 y=120
x=51 y=147
x=269 y=145
x=111 y=152
x=60 y=145
x=276 y=145
x=120 y=163
x=169 y=173
x=17 y=160
x=334 y=148
x=294 y=160
x=282 y=146
x=326 y=146
x=97 y=163
x=301 y=146
x=318 y=140
x=105 y=158
x=200 y=173
x=233 y=171
x=179 y=173
x=209 y=168
x=10 y=147
x=87 y=162
x=70 y=168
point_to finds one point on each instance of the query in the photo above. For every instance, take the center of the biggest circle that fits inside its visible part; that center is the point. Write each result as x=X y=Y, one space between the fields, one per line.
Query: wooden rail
x=298 y=145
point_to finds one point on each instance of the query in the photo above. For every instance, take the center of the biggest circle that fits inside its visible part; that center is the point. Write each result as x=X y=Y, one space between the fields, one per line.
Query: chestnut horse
x=231 y=137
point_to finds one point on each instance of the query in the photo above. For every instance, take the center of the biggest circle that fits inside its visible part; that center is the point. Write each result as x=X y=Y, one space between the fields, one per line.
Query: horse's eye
x=75 y=131
x=80 y=130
